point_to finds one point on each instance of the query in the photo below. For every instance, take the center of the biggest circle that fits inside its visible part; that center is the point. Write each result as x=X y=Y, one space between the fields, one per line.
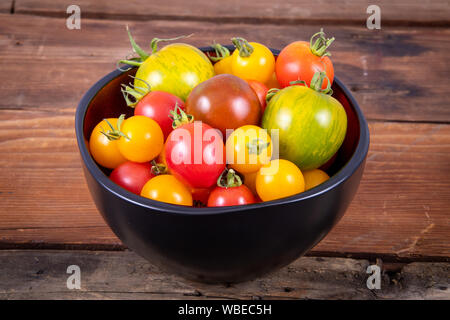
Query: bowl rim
x=340 y=177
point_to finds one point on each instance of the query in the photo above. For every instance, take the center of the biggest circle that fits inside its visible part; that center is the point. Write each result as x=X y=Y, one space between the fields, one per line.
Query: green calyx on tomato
x=115 y=133
x=320 y=46
x=316 y=83
x=271 y=93
x=143 y=55
x=158 y=168
x=132 y=93
x=229 y=179
x=245 y=48
x=257 y=146
x=221 y=52
x=179 y=117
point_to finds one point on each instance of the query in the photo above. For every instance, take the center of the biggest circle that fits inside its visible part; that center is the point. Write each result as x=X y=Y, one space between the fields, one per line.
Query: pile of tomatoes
x=224 y=129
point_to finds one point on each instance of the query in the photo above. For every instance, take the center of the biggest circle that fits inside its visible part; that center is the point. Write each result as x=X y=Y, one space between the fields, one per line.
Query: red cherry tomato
x=195 y=154
x=230 y=191
x=132 y=175
x=233 y=196
x=157 y=106
x=300 y=61
x=261 y=91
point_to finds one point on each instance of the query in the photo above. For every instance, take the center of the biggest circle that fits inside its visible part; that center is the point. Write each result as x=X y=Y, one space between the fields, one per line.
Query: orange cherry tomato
x=167 y=188
x=104 y=149
x=314 y=177
x=142 y=139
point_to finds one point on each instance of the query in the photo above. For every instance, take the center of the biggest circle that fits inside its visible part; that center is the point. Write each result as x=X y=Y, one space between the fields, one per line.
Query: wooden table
x=399 y=75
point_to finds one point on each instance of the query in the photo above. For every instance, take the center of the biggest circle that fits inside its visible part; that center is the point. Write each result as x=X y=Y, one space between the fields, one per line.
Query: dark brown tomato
x=224 y=102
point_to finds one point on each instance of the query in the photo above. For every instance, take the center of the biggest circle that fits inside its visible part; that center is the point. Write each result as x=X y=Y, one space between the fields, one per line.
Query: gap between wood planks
x=264 y=13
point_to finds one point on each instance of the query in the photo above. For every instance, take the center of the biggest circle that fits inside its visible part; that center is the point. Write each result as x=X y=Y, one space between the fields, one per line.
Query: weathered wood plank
x=124 y=275
x=6 y=6
x=265 y=11
x=401 y=208
x=395 y=73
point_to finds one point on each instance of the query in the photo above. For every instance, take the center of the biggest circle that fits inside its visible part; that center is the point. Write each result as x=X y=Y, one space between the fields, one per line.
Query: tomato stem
x=155 y=41
x=179 y=117
x=271 y=93
x=321 y=44
x=144 y=55
x=132 y=93
x=245 y=48
x=256 y=146
x=228 y=179
x=221 y=52
x=316 y=83
x=115 y=133
x=158 y=168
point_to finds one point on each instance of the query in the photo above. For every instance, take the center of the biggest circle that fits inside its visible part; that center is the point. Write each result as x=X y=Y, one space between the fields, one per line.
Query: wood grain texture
x=401 y=208
x=263 y=11
x=382 y=69
x=124 y=275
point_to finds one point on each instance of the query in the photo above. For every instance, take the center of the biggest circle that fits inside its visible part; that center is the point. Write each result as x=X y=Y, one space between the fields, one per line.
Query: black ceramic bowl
x=228 y=244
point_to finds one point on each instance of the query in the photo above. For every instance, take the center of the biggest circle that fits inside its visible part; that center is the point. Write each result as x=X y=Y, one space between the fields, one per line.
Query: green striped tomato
x=312 y=125
x=177 y=68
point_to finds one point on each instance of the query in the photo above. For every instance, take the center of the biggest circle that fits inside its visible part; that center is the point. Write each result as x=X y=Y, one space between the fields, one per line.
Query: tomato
x=224 y=102
x=167 y=188
x=222 y=59
x=261 y=91
x=230 y=192
x=157 y=106
x=142 y=139
x=195 y=153
x=300 y=60
x=273 y=82
x=104 y=149
x=177 y=68
x=132 y=175
x=278 y=179
x=314 y=177
x=223 y=66
x=248 y=148
x=252 y=60
x=312 y=125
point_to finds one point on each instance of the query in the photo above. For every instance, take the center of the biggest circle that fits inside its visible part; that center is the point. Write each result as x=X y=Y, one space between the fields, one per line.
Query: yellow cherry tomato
x=248 y=148
x=278 y=179
x=314 y=177
x=104 y=150
x=142 y=139
x=223 y=66
x=167 y=188
x=252 y=61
